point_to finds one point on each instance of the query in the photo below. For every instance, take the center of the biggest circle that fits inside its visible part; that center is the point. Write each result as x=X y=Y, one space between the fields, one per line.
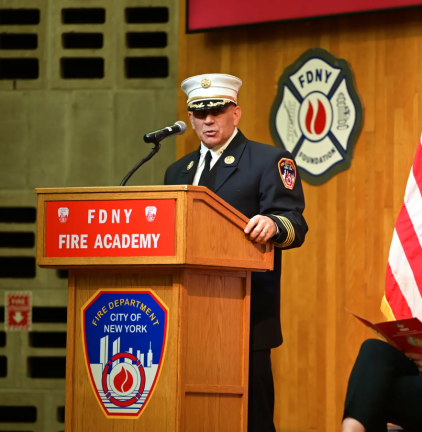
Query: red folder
x=405 y=335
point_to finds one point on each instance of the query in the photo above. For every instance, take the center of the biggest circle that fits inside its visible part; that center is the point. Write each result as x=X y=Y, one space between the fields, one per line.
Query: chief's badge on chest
x=229 y=160
x=287 y=170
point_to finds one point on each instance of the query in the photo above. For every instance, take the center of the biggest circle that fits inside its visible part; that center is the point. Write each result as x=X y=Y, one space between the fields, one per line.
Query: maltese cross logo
x=317 y=115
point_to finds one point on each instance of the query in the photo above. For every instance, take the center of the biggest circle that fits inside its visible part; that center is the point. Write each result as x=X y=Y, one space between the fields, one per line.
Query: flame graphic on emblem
x=315 y=122
x=123 y=380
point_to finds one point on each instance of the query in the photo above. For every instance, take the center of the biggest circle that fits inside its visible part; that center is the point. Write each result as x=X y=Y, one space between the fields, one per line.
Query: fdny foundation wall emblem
x=317 y=115
x=124 y=338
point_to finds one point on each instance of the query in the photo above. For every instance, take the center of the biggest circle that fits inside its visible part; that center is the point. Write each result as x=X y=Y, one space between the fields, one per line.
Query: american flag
x=403 y=284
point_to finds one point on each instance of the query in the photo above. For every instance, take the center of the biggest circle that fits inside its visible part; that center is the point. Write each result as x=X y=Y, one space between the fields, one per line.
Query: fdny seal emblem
x=317 y=115
x=287 y=170
x=124 y=337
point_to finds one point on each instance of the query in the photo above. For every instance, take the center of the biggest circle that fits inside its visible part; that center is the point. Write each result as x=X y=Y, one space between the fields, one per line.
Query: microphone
x=179 y=128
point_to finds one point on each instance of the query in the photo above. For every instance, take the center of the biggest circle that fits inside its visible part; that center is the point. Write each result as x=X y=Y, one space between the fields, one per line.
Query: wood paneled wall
x=351 y=218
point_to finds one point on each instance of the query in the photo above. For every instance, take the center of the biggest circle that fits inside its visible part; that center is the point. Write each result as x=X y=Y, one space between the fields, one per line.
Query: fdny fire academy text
x=109 y=241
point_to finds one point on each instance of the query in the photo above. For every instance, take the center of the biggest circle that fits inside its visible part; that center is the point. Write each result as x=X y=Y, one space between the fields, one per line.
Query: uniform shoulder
x=268 y=151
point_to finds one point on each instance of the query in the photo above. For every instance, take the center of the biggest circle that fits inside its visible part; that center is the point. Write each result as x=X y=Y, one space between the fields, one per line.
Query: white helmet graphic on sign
x=150 y=213
x=63 y=214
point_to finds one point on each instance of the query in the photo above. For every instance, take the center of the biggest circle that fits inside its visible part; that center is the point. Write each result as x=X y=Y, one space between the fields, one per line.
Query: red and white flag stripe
x=403 y=285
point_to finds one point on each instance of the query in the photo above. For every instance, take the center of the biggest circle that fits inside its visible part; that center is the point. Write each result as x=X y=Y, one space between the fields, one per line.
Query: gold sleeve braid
x=290 y=232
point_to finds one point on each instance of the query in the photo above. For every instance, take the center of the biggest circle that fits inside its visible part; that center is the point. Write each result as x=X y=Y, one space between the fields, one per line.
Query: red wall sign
x=18 y=311
x=226 y=13
x=110 y=228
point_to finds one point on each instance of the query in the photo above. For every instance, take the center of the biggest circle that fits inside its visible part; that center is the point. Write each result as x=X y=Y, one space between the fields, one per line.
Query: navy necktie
x=206 y=169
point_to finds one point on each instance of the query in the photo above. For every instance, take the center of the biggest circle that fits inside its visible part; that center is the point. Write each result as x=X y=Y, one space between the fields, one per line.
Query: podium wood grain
x=203 y=383
x=206 y=359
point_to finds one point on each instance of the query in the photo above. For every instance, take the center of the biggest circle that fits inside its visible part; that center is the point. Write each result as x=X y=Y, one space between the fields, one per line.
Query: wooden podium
x=204 y=282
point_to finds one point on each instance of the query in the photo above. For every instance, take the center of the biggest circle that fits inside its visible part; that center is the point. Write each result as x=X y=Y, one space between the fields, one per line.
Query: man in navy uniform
x=262 y=182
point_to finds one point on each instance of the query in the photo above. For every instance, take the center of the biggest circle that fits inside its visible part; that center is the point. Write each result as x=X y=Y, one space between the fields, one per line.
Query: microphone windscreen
x=182 y=126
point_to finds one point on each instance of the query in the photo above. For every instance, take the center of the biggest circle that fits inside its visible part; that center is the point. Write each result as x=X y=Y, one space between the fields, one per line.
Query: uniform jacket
x=253 y=185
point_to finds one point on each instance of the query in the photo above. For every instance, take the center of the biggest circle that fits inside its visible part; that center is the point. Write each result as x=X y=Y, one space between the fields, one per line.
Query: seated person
x=385 y=386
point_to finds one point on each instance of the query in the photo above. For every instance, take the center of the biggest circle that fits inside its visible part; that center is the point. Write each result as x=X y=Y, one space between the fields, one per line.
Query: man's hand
x=260 y=229
x=417 y=358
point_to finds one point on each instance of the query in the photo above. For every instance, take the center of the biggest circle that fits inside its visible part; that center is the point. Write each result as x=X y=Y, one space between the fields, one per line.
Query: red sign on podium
x=110 y=228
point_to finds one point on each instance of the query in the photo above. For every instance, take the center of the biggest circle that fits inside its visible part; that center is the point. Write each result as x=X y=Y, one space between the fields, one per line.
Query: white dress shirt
x=216 y=152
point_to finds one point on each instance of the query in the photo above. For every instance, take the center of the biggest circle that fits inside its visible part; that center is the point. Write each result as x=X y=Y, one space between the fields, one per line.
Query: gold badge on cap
x=229 y=160
x=206 y=83
x=190 y=165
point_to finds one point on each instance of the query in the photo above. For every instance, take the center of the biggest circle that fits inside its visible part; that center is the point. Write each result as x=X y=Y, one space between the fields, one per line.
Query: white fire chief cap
x=210 y=91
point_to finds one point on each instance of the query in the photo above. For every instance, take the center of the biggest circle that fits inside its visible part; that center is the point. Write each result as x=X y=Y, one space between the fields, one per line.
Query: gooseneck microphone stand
x=159 y=136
